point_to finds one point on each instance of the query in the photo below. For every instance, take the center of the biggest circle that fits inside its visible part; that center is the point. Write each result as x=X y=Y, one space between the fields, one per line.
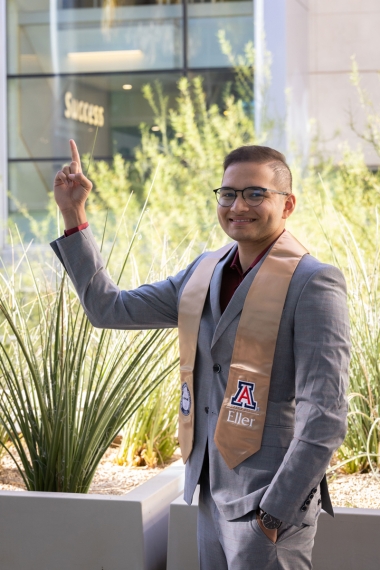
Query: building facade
x=69 y=67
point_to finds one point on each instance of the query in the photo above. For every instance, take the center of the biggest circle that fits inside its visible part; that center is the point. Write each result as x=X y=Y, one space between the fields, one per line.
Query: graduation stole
x=241 y=418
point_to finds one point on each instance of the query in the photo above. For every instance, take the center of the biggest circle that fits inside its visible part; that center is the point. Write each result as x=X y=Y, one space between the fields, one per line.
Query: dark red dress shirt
x=233 y=275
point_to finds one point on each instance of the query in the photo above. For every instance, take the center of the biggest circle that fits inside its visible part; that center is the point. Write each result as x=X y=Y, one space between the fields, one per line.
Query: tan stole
x=189 y=317
x=241 y=419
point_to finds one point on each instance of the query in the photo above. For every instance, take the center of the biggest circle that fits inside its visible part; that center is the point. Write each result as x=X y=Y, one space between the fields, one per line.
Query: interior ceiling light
x=127 y=86
x=103 y=56
x=155 y=128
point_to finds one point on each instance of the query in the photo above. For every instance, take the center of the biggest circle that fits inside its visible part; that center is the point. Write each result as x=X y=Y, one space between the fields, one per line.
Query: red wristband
x=75 y=230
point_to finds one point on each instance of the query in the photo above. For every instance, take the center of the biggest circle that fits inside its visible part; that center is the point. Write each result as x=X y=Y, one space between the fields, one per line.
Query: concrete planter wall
x=350 y=541
x=182 y=542
x=62 y=531
x=58 y=531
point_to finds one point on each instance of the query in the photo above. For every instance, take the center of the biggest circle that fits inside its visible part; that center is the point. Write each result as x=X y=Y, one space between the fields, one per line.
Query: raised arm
x=153 y=306
x=149 y=306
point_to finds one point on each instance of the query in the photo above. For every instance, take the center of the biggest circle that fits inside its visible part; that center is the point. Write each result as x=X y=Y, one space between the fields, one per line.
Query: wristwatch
x=269 y=522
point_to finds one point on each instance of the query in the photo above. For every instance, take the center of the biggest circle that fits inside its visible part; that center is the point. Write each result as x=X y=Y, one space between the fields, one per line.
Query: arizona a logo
x=243 y=398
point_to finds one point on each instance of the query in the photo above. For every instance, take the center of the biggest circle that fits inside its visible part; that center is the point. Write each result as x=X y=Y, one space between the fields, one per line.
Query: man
x=264 y=350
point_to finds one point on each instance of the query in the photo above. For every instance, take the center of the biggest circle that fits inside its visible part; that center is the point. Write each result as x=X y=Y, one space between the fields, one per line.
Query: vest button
x=217 y=368
x=206 y=409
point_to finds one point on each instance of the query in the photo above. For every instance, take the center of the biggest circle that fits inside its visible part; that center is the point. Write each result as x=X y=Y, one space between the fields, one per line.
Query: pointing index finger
x=75 y=154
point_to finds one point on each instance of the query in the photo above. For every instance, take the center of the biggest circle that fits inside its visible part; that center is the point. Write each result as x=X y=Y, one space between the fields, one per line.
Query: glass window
x=214 y=84
x=79 y=36
x=29 y=184
x=45 y=112
x=206 y=20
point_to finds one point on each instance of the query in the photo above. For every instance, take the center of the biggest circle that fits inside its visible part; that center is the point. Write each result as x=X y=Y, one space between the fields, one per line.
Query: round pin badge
x=185 y=403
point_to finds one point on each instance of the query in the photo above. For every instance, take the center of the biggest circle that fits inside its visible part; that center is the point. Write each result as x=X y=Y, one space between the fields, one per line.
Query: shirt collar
x=235 y=264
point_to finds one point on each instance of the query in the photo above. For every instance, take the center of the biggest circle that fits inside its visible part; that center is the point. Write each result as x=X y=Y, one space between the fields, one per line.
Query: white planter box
x=350 y=541
x=182 y=542
x=67 y=531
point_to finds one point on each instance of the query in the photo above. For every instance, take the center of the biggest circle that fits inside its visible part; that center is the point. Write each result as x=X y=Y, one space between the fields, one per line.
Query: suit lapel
x=235 y=306
x=216 y=282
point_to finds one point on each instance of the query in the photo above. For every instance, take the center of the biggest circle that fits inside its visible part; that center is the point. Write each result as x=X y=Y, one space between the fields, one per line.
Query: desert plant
x=190 y=147
x=71 y=388
x=190 y=144
x=67 y=387
x=360 y=450
x=243 y=65
x=150 y=436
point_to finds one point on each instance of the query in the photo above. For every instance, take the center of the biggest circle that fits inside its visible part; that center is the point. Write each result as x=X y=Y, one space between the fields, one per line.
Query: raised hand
x=71 y=190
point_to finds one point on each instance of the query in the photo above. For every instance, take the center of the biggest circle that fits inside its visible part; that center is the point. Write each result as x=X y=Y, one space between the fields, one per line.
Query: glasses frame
x=242 y=193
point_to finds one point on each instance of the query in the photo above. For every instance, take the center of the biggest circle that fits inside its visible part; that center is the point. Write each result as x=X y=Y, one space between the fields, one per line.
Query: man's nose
x=240 y=205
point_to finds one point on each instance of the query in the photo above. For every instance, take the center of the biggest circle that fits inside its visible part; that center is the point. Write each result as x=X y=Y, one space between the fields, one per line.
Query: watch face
x=271 y=523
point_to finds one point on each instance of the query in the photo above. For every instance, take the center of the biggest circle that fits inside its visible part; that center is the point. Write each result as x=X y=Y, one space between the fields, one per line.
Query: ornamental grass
x=67 y=388
x=361 y=448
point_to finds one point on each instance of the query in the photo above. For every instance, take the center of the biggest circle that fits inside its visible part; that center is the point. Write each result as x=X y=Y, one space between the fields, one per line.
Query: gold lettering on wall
x=83 y=112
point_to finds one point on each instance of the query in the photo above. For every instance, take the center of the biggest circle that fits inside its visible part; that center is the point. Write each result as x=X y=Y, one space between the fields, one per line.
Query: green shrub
x=68 y=388
x=188 y=150
x=361 y=449
x=150 y=436
x=336 y=240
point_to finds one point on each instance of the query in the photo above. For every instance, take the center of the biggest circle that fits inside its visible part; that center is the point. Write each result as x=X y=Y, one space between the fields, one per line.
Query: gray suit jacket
x=307 y=407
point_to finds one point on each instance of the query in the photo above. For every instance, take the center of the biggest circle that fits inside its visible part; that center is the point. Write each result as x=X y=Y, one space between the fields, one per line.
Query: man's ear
x=289 y=206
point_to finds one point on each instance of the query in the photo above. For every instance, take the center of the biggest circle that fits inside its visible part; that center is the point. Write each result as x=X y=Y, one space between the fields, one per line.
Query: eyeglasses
x=253 y=195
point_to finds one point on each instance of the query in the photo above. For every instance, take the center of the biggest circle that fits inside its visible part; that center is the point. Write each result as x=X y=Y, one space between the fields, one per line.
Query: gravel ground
x=355 y=491
x=109 y=479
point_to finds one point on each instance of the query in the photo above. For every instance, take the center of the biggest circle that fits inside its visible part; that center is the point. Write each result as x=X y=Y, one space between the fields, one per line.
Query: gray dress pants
x=242 y=545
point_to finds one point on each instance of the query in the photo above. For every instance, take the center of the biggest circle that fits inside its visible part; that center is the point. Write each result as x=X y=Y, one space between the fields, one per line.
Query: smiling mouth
x=242 y=221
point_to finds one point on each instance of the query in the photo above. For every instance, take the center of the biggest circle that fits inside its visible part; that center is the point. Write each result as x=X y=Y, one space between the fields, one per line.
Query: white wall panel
x=339 y=6
x=338 y=31
x=285 y=35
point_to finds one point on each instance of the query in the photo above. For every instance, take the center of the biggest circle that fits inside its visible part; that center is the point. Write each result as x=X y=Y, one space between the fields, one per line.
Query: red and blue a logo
x=244 y=396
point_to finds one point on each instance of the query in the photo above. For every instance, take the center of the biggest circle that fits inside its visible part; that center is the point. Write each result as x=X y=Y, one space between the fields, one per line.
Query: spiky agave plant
x=68 y=388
